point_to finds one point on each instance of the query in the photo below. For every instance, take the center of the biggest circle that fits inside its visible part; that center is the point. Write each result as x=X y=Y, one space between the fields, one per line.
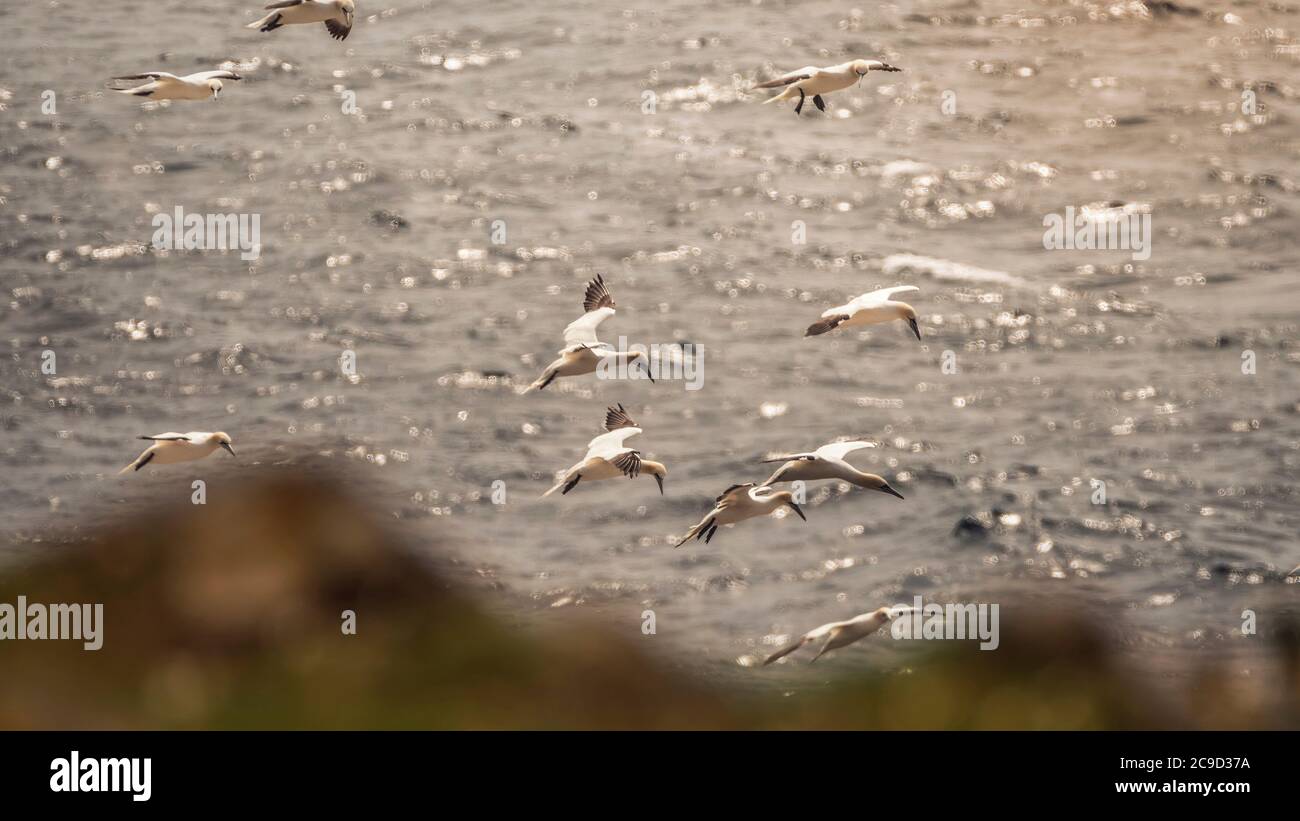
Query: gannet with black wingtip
x=337 y=15
x=199 y=86
x=582 y=352
x=608 y=458
x=738 y=503
x=170 y=448
x=841 y=633
x=869 y=309
x=827 y=462
x=818 y=81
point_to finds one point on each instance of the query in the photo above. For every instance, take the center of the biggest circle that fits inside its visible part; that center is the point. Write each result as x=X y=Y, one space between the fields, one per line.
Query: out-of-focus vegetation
x=227 y=615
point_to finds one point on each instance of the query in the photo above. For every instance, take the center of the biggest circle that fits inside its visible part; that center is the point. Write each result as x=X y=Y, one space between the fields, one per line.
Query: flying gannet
x=827 y=462
x=582 y=352
x=335 y=14
x=738 y=503
x=164 y=86
x=170 y=448
x=868 y=309
x=608 y=458
x=841 y=633
x=818 y=81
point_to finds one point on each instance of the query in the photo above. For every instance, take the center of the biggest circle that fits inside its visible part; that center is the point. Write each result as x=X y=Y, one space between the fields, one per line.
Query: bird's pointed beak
x=796 y=509
x=890 y=491
x=228 y=448
x=915 y=329
x=660 y=480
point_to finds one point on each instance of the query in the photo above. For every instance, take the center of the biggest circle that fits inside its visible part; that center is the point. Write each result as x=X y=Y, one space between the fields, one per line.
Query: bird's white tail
x=541 y=381
x=690 y=534
x=257 y=24
x=784 y=651
x=556 y=486
x=784 y=95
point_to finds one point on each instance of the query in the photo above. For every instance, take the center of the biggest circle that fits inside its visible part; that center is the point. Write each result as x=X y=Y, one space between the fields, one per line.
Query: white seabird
x=170 y=448
x=582 y=352
x=608 y=458
x=337 y=15
x=738 y=503
x=869 y=309
x=841 y=633
x=164 y=86
x=827 y=462
x=818 y=81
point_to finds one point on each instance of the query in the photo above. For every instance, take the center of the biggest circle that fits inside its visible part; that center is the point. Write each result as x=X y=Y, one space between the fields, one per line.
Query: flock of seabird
x=608 y=455
x=337 y=15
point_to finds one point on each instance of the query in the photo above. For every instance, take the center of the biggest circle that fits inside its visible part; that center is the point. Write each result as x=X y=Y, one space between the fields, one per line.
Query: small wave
x=943 y=269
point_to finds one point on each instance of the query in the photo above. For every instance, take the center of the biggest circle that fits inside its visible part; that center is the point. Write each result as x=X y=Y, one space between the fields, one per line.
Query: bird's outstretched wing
x=837 y=450
x=608 y=445
x=148 y=75
x=337 y=30
x=201 y=76
x=599 y=306
x=629 y=463
x=167 y=437
x=597 y=295
x=805 y=73
x=880 y=297
x=582 y=331
x=284 y=4
x=731 y=494
x=616 y=418
x=791 y=457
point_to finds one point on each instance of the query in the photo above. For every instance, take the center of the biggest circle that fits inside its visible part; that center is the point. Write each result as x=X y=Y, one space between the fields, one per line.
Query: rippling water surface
x=1071 y=366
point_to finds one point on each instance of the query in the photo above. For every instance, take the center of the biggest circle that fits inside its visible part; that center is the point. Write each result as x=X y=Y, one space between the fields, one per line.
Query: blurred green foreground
x=227 y=615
